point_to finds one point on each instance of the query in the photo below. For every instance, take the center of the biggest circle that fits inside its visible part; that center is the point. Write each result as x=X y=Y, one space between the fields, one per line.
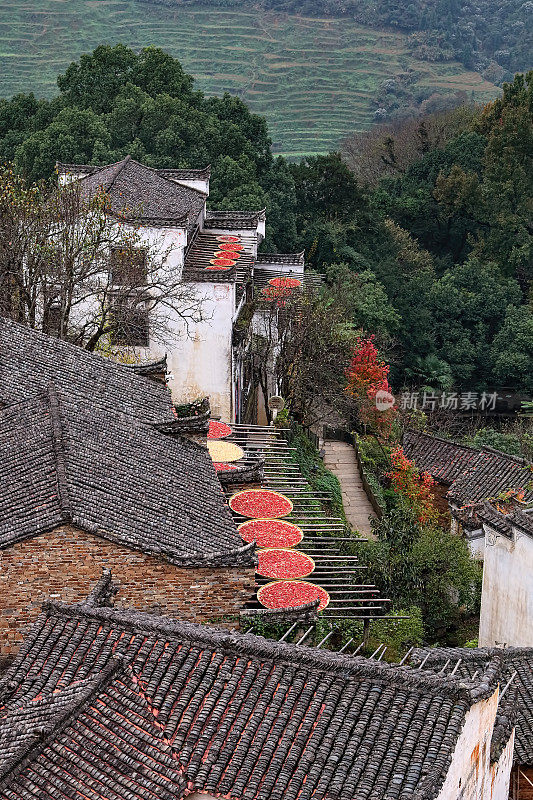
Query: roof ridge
x=156 y=172
x=338 y=664
x=94 y=684
x=419 y=434
x=518 y=459
x=200 y=170
x=58 y=441
x=119 y=166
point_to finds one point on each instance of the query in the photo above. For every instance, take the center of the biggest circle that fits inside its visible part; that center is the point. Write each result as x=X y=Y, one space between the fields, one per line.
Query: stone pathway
x=340 y=459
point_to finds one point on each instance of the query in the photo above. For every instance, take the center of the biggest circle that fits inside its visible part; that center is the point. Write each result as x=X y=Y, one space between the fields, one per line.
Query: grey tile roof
x=64 y=460
x=295 y=259
x=442 y=458
x=145 y=193
x=515 y=659
x=98 y=738
x=492 y=473
x=243 y=717
x=502 y=521
x=186 y=174
x=473 y=475
x=233 y=220
x=31 y=362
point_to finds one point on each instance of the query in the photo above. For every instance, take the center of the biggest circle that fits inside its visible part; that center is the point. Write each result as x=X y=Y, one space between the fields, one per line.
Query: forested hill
x=316 y=79
x=490 y=36
x=423 y=233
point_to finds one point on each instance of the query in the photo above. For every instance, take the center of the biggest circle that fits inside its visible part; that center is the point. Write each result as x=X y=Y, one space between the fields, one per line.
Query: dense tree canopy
x=114 y=102
x=430 y=247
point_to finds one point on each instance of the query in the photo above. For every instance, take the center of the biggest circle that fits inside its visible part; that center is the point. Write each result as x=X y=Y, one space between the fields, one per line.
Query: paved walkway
x=340 y=459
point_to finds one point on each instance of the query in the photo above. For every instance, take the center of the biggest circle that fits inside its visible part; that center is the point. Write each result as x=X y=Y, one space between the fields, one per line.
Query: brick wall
x=66 y=564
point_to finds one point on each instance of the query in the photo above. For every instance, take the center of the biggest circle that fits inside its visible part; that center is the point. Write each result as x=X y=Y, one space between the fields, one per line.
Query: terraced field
x=314 y=79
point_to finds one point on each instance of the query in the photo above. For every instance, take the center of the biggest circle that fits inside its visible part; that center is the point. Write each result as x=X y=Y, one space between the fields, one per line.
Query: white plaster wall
x=165 y=244
x=500 y=773
x=168 y=242
x=476 y=544
x=469 y=774
x=68 y=177
x=201 y=363
x=506 y=617
x=201 y=185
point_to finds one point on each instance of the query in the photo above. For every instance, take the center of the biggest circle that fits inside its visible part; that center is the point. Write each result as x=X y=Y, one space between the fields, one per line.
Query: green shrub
x=426 y=567
x=399 y=635
x=489 y=437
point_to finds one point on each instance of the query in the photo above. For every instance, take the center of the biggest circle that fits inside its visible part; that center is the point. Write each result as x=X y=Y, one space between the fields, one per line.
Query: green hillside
x=315 y=80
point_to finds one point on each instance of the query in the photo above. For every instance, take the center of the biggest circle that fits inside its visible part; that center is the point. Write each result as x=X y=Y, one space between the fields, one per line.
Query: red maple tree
x=367 y=375
x=414 y=487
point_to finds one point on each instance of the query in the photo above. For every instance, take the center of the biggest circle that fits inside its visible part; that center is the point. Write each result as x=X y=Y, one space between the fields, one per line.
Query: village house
x=506 y=616
x=167 y=208
x=107 y=703
x=467 y=477
x=490 y=498
x=517 y=676
x=95 y=473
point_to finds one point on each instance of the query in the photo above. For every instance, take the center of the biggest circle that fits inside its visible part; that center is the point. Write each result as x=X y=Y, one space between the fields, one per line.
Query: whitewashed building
x=506 y=618
x=167 y=207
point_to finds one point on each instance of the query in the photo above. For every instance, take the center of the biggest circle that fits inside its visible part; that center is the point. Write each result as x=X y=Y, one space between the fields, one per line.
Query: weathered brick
x=68 y=562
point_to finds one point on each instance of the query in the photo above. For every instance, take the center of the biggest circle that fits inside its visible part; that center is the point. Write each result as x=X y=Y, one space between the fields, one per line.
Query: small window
x=52 y=322
x=128 y=266
x=130 y=322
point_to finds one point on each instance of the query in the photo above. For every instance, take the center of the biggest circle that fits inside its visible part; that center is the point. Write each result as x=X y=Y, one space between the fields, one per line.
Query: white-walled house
x=167 y=208
x=506 y=618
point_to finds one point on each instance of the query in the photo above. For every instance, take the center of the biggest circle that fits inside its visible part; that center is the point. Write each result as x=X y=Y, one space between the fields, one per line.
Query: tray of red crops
x=221 y=263
x=227 y=254
x=230 y=246
x=227 y=238
x=218 y=430
x=290 y=594
x=284 y=564
x=260 y=503
x=223 y=467
x=270 y=532
x=285 y=283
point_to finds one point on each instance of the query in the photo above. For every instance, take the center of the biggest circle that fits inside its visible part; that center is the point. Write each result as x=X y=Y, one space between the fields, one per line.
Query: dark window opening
x=130 y=322
x=128 y=266
x=52 y=320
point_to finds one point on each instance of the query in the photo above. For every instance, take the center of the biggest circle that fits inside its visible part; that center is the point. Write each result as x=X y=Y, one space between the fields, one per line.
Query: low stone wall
x=67 y=563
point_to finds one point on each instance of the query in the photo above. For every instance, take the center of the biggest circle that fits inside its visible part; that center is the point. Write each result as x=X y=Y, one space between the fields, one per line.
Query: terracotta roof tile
x=244 y=717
